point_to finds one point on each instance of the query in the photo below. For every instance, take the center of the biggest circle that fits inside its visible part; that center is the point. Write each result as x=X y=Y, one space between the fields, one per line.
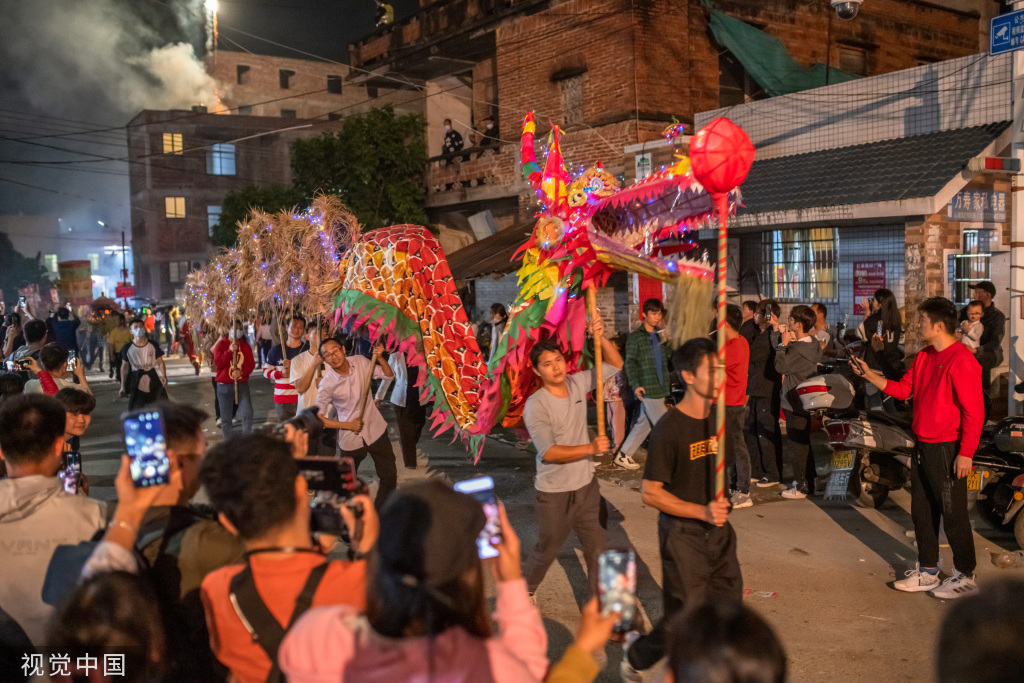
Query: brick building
x=865 y=185
x=185 y=163
x=612 y=74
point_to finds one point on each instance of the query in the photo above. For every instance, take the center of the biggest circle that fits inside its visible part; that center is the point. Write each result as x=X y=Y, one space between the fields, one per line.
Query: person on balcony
x=452 y=141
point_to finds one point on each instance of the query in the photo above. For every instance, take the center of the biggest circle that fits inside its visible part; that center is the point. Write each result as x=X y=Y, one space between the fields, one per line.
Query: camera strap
x=257 y=618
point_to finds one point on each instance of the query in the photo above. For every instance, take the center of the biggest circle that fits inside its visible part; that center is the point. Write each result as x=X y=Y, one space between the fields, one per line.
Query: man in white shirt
x=302 y=373
x=343 y=386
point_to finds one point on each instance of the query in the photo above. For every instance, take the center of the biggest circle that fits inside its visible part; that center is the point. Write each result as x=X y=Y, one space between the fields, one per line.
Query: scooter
x=1000 y=465
x=875 y=447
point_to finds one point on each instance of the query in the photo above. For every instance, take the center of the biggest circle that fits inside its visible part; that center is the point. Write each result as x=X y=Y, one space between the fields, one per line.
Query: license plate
x=974 y=480
x=842 y=460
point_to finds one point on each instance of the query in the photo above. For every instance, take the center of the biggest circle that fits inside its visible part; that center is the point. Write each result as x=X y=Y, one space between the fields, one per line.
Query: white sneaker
x=626 y=670
x=794 y=493
x=956 y=586
x=626 y=462
x=917 y=580
x=740 y=500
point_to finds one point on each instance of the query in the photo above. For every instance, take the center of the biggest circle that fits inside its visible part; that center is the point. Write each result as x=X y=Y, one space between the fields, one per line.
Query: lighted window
x=172 y=143
x=220 y=159
x=174 y=207
x=802 y=265
x=50 y=261
x=94 y=260
x=212 y=217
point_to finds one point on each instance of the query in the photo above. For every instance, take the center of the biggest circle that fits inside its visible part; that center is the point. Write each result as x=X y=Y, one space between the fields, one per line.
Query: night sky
x=76 y=71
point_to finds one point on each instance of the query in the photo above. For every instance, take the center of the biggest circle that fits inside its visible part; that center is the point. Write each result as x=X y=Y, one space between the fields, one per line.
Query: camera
x=305 y=420
x=846 y=9
x=333 y=482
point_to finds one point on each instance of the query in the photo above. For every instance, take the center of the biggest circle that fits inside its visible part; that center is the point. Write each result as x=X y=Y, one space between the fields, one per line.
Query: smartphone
x=72 y=358
x=147 y=448
x=616 y=585
x=72 y=471
x=768 y=314
x=21 y=299
x=482 y=489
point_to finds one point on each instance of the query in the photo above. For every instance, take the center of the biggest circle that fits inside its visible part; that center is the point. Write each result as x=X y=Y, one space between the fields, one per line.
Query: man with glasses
x=360 y=433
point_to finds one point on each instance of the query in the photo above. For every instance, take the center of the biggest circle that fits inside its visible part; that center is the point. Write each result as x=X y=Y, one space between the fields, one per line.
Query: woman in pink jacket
x=426 y=617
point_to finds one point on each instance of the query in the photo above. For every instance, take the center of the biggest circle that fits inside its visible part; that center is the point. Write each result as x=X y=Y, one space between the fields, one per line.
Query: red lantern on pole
x=721 y=154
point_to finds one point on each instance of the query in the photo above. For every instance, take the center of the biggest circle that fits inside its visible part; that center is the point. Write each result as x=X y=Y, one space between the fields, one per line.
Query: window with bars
x=802 y=265
x=973 y=265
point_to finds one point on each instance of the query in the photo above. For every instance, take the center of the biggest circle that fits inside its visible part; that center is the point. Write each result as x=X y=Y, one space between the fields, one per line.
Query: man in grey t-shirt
x=568 y=496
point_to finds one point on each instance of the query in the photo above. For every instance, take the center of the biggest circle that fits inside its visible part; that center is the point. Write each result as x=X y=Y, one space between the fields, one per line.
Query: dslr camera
x=333 y=482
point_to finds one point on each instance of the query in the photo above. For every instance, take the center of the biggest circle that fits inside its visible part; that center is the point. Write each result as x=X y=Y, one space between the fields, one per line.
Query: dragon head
x=603 y=226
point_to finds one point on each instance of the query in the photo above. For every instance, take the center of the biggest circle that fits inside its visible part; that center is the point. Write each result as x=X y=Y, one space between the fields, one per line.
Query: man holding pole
x=696 y=541
x=362 y=428
x=233 y=359
x=568 y=496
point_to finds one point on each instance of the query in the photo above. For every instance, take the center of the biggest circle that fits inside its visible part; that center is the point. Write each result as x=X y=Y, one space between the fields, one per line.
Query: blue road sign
x=1006 y=33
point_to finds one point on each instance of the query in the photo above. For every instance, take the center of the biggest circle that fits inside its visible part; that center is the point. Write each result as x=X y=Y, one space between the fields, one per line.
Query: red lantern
x=721 y=155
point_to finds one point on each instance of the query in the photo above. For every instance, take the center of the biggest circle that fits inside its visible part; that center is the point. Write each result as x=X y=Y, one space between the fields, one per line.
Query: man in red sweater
x=737 y=361
x=949 y=412
x=233 y=361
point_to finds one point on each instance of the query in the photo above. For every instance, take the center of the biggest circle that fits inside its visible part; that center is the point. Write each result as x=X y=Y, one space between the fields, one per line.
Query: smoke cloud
x=80 y=64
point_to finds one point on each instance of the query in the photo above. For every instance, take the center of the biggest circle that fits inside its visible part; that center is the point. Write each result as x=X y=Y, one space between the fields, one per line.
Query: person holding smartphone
x=696 y=541
x=949 y=412
x=568 y=496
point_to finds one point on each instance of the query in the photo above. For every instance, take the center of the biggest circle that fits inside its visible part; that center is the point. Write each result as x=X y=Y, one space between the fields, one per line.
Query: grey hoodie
x=797 y=361
x=37 y=515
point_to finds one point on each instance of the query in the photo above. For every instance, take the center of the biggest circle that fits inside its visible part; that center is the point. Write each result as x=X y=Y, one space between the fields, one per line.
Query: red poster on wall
x=868 y=276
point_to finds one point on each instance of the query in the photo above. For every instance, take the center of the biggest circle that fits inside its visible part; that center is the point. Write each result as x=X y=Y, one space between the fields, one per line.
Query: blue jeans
x=226 y=401
x=651 y=411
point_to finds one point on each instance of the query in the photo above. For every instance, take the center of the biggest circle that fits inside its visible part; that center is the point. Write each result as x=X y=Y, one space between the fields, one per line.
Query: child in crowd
x=972 y=329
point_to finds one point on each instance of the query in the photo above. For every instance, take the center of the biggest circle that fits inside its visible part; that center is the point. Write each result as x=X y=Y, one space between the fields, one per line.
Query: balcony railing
x=492 y=166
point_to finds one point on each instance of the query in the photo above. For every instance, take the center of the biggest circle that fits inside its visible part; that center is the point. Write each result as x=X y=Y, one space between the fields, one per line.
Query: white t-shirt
x=300 y=364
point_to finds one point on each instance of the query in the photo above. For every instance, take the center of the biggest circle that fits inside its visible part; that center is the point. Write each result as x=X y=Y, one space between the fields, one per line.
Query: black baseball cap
x=985 y=286
x=428 y=533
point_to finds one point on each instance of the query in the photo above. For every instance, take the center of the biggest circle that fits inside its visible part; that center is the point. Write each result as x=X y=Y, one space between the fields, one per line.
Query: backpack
x=257 y=619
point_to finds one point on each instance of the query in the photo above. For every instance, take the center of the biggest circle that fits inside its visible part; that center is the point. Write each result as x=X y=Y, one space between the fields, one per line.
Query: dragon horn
x=528 y=160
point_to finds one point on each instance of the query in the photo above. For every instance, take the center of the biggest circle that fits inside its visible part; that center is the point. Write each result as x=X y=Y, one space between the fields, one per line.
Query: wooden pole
x=598 y=361
x=722 y=206
x=366 y=384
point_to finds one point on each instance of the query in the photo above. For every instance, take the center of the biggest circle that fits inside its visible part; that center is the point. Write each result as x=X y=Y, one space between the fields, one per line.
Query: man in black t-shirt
x=697 y=543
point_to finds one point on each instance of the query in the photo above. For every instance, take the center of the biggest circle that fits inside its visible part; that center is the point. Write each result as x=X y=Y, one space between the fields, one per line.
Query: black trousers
x=936 y=493
x=798 y=435
x=986 y=388
x=410 y=418
x=764 y=443
x=383 y=456
x=698 y=562
x=558 y=514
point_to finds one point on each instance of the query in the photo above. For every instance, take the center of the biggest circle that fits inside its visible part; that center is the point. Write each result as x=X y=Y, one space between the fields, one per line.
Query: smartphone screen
x=72 y=471
x=616 y=578
x=21 y=299
x=144 y=438
x=72 y=357
x=482 y=488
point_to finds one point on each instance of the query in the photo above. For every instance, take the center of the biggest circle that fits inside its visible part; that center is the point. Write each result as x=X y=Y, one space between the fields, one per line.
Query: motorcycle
x=874 y=446
x=1000 y=466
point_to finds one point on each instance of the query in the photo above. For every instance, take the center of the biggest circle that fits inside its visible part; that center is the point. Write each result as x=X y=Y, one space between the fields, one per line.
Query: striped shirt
x=284 y=391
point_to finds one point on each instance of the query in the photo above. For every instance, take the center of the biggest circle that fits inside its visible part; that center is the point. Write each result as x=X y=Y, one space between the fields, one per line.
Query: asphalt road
x=816 y=570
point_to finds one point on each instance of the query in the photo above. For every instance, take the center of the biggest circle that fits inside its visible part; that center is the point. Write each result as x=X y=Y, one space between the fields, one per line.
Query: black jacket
x=763 y=380
x=888 y=361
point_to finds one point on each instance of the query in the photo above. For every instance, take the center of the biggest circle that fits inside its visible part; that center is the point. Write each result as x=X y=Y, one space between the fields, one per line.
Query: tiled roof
x=491 y=255
x=904 y=168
